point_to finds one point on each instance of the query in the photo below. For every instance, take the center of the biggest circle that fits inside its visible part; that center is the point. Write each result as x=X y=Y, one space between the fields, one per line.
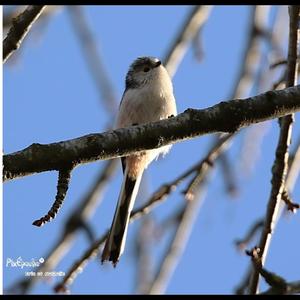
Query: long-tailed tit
x=148 y=97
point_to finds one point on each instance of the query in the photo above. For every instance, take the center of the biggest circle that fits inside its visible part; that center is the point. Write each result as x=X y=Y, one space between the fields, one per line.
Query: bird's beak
x=157 y=64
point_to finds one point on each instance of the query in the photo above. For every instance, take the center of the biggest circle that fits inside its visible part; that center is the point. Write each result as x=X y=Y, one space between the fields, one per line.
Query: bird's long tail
x=115 y=243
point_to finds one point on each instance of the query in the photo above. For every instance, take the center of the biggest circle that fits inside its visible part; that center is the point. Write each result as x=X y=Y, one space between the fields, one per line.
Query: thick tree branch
x=10 y=15
x=223 y=117
x=20 y=27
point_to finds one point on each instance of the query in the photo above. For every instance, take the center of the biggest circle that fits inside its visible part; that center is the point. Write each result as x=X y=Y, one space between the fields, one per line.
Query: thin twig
x=278 y=285
x=81 y=213
x=253 y=136
x=252 y=53
x=291 y=206
x=157 y=197
x=166 y=189
x=245 y=78
x=96 y=67
x=64 y=177
x=181 y=236
x=293 y=173
x=275 y=281
x=294 y=167
x=229 y=176
x=19 y=29
x=280 y=165
x=242 y=243
x=144 y=241
x=178 y=244
x=281 y=63
x=194 y=21
x=291 y=288
x=93 y=58
x=194 y=194
x=241 y=289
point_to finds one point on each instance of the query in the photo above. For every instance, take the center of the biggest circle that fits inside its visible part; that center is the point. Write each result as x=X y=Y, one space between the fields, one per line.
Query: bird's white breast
x=152 y=102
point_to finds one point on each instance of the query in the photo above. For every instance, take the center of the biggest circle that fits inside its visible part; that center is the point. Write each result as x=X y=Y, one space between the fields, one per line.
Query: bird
x=148 y=97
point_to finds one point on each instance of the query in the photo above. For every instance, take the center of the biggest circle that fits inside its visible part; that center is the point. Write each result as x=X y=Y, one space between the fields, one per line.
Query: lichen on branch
x=225 y=117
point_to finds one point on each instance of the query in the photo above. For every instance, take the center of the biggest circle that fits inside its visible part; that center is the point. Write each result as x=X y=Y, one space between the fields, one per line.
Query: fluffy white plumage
x=148 y=97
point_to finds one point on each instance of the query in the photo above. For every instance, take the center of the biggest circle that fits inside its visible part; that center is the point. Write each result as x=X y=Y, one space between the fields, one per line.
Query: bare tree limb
x=223 y=117
x=291 y=288
x=286 y=198
x=143 y=243
x=245 y=78
x=244 y=284
x=178 y=244
x=253 y=136
x=280 y=166
x=279 y=286
x=197 y=18
x=252 y=54
x=293 y=173
x=59 y=250
x=64 y=177
x=193 y=194
x=93 y=59
x=19 y=29
x=10 y=15
x=242 y=243
x=294 y=167
x=157 y=197
x=73 y=223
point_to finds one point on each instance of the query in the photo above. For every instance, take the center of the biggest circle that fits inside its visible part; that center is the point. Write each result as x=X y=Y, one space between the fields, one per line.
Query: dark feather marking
x=123 y=215
x=123 y=161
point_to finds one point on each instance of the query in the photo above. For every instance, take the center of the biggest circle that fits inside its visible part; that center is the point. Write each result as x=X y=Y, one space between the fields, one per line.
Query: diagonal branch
x=80 y=214
x=19 y=29
x=246 y=78
x=194 y=195
x=280 y=166
x=194 y=21
x=291 y=288
x=293 y=173
x=278 y=285
x=223 y=117
x=93 y=58
x=157 y=197
x=177 y=245
x=256 y=227
x=275 y=281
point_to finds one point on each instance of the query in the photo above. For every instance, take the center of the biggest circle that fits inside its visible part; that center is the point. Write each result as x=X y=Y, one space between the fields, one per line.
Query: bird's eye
x=146 y=69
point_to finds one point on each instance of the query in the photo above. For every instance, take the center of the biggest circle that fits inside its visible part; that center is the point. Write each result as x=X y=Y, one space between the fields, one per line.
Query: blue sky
x=49 y=96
